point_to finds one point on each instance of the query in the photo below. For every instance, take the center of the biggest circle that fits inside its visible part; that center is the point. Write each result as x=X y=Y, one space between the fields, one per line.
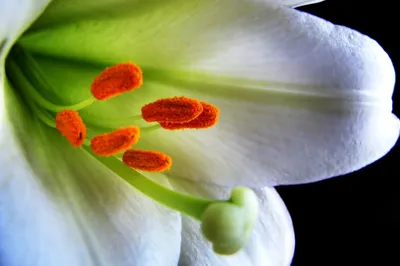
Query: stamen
x=149 y=161
x=115 y=142
x=116 y=80
x=172 y=110
x=71 y=126
x=208 y=118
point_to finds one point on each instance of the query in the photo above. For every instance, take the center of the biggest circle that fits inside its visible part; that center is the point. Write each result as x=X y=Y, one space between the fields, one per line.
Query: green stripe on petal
x=168 y=34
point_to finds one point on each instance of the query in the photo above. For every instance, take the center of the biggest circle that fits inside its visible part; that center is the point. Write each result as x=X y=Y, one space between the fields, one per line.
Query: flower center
x=226 y=223
x=170 y=113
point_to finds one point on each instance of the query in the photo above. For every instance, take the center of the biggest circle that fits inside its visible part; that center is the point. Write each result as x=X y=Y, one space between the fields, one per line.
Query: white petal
x=272 y=242
x=316 y=104
x=15 y=16
x=301 y=99
x=60 y=206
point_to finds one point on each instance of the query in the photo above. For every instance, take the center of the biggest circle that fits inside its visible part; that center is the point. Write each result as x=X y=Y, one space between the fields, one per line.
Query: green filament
x=31 y=92
x=105 y=123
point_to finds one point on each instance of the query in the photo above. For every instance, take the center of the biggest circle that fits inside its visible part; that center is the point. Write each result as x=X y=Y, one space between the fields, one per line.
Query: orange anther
x=172 y=110
x=208 y=118
x=117 y=141
x=116 y=80
x=71 y=126
x=149 y=161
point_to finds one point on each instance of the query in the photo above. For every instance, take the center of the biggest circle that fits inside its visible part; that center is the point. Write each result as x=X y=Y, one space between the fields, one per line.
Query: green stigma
x=228 y=224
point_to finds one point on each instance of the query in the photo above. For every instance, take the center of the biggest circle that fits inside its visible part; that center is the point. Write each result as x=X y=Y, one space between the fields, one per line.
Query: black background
x=352 y=219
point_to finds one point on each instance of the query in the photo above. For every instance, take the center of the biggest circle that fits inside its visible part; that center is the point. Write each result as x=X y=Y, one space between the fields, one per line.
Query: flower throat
x=226 y=223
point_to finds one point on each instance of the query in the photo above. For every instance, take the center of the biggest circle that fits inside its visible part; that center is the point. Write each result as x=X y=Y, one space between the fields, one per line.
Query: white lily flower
x=300 y=100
